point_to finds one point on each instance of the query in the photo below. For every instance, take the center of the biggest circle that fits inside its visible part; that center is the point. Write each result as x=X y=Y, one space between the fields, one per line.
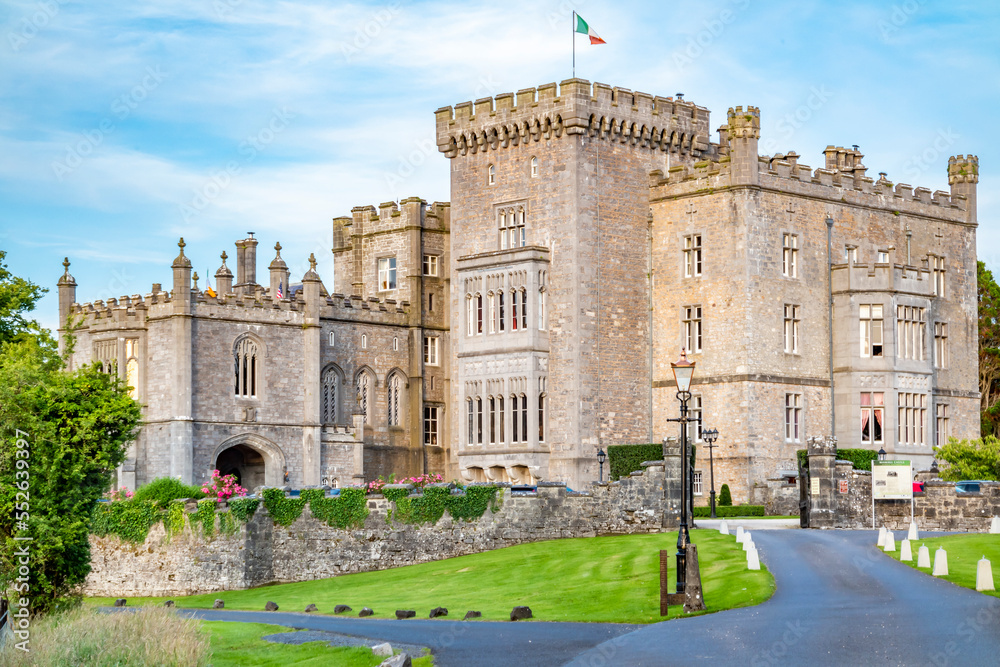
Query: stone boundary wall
x=262 y=552
x=939 y=508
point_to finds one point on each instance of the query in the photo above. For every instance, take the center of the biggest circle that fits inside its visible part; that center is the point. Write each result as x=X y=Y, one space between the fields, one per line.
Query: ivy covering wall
x=429 y=507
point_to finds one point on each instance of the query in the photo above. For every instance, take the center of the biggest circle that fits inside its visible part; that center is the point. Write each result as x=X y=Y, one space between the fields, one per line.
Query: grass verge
x=238 y=644
x=612 y=579
x=964 y=552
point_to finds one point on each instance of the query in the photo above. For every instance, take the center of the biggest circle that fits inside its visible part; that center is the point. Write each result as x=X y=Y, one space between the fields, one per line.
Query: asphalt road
x=838 y=602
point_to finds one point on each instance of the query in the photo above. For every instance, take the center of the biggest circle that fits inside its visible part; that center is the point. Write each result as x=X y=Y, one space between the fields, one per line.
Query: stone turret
x=246 y=265
x=181 y=294
x=67 y=297
x=224 y=277
x=279 y=274
x=743 y=130
x=311 y=433
x=963 y=177
x=180 y=426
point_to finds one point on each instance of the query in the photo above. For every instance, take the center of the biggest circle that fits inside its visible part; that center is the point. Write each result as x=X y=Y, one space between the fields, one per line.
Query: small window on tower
x=534 y=167
x=491 y=175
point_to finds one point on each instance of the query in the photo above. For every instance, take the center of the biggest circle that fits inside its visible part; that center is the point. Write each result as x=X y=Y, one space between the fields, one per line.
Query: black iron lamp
x=881 y=454
x=601 y=458
x=710 y=436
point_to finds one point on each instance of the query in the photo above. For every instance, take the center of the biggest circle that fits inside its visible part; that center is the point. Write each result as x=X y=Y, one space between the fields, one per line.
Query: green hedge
x=734 y=510
x=128 y=519
x=623 y=460
x=860 y=458
x=429 y=507
x=348 y=510
x=165 y=489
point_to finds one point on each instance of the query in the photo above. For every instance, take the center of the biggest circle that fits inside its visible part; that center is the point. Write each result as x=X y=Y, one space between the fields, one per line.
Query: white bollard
x=923 y=556
x=905 y=554
x=995 y=525
x=723 y=528
x=940 y=563
x=881 y=536
x=747 y=537
x=748 y=544
x=984 y=575
x=753 y=560
x=890 y=541
x=739 y=534
x=913 y=534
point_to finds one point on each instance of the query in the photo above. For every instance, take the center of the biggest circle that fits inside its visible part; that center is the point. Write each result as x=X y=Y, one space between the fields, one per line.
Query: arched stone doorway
x=255 y=460
x=246 y=464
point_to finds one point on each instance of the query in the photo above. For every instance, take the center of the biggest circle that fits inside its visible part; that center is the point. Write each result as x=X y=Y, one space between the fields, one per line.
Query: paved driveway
x=838 y=602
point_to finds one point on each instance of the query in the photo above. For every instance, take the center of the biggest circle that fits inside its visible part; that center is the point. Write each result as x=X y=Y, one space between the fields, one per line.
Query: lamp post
x=683 y=372
x=710 y=436
x=601 y=457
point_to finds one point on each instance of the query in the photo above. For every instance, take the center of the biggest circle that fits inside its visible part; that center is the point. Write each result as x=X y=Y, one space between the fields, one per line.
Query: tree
x=988 y=294
x=63 y=434
x=971 y=459
x=725 y=497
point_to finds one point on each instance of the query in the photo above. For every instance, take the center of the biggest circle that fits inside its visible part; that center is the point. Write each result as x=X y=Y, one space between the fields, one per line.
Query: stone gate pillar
x=822 y=454
x=671 y=483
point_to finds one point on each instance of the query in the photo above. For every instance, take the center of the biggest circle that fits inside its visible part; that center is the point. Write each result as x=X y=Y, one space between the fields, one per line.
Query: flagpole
x=573 y=37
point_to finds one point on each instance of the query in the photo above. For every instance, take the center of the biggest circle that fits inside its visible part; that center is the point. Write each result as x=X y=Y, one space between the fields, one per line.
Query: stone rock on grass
x=271 y=606
x=518 y=613
x=310 y=608
x=120 y=602
x=168 y=603
x=398 y=660
x=382 y=650
x=405 y=613
x=366 y=612
x=218 y=604
x=341 y=608
x=472 y=614
x=438 y=611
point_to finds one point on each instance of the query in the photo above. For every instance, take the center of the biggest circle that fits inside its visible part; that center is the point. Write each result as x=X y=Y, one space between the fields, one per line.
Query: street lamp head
x=881 y=454
x=710 y=435
x=601 y=456
x=683 y=372
x=934 y=467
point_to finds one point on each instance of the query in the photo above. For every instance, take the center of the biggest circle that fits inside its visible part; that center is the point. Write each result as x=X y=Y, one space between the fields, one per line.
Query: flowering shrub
x=375 y=486
x=121 y=494
x=222 y=487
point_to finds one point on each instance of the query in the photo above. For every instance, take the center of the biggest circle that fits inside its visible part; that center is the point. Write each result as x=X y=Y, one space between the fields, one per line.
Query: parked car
x=968 y=486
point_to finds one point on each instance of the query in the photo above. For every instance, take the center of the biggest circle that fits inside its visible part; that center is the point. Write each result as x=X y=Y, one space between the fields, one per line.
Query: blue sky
x=124 y=125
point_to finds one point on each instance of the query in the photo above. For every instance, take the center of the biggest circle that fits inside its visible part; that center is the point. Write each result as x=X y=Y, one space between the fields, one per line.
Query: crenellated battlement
x=888 y=277
x=575 y=107
x=963 y=169
x=743 y=124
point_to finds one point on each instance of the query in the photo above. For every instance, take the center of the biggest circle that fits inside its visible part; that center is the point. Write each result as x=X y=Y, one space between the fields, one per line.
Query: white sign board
x=892 y=480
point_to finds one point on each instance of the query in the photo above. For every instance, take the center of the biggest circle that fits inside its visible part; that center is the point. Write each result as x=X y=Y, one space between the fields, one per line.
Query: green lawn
x=599 y=579
x=964 y=551
x=237 y=644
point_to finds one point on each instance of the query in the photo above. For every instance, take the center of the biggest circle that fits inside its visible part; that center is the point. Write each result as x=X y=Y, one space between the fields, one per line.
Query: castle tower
x=550 y=197
x=279 y=274
x=181 y=423
x=744 y=134
x=963 y=176
x=224 y=277
x=67 y=297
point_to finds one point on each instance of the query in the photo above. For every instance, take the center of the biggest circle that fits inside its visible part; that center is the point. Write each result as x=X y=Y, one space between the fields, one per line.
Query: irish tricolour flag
x=584 y=29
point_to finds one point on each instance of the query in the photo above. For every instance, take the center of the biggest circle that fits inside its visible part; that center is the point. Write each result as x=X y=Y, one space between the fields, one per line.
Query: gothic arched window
x=247 y=359
x=330 y=396
x=394 y=394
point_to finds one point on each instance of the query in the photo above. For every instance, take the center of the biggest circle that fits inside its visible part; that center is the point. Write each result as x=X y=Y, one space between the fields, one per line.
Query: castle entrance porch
x=246 y=464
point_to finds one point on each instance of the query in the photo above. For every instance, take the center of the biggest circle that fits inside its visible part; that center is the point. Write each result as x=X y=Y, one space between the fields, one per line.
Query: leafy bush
x=623 y=460
x=725 y=497
x=205 y=515
x=222 y=487
x=284 y=511
x=165 y=489
x=970 y=459
x=128 y=519
x=348 y=510
x=149 y=637
x=429 y=507
x=730 y=510
x=243 y=508
x=861 y=458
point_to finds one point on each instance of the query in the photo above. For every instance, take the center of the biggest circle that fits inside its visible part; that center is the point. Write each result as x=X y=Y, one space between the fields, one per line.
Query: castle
x=597 y=232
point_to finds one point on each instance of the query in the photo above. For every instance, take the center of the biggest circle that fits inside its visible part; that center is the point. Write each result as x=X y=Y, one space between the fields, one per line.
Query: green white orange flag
x=584 y=29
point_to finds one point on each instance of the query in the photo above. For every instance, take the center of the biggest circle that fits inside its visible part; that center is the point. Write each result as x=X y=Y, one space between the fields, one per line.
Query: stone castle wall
x=262 y=552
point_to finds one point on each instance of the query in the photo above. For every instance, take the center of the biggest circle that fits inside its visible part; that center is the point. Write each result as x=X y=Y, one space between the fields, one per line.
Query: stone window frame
x=867 y=318
x=533 y=167
x=336 y=374
x=365 y=392
x=942 y=424
x=698 y=485
x=491 y=174
x=432 y=351
x=790 y=254
x=395 y=398
x=874 y=407
x=794 y=412
x=792 y=322
x=132 y=366
x=332 y=339
x=256 y=382
x=882 y=256
x=911 y=421
x=911 y=332
x=431 y=265
x=941 y=345
x=692 y=328
x=692 y=250
x=391 y=280
x=511 y=219
x=937 y=274
x=432 y=424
